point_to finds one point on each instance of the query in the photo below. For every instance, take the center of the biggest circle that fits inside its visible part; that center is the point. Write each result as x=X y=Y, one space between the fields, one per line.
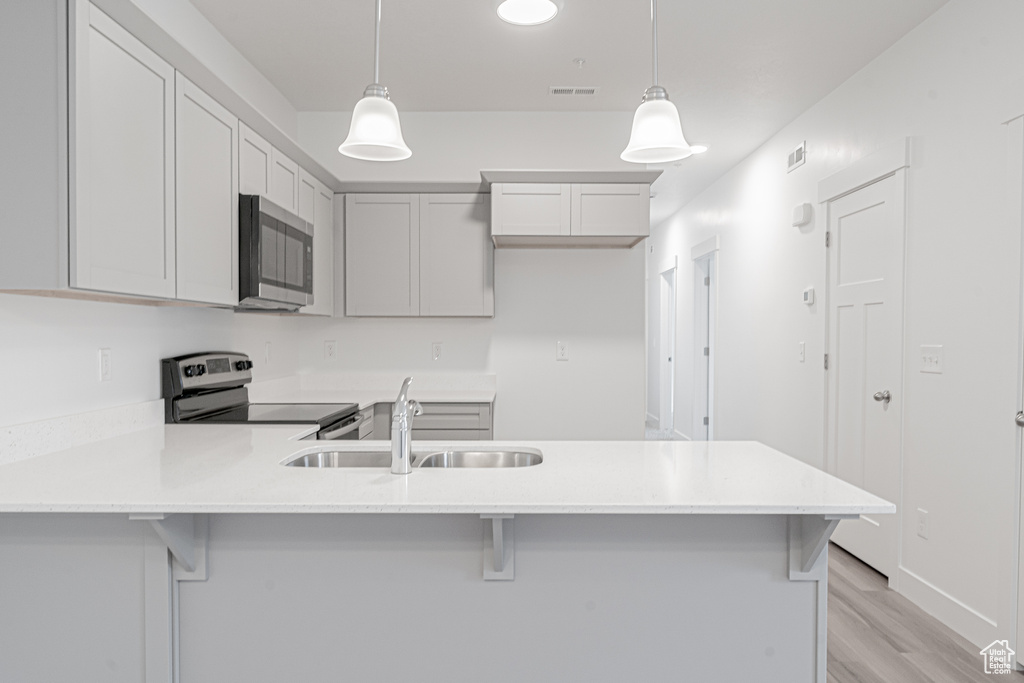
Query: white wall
x=591 y=299
x=50 y=350
x=949 y=85
x=456 y=146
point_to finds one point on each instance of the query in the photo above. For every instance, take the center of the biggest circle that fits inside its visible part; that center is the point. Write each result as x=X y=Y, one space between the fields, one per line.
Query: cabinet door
x=611 y=209
x=122 y=188
x=530 y=208
x=206 y=137
x=316 y=205
x=284 y=181
x=382 y=253
x=254 y=162
x=456 y=255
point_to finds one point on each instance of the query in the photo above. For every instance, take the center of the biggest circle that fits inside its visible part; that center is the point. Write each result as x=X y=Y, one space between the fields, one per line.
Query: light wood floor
x=877 y=636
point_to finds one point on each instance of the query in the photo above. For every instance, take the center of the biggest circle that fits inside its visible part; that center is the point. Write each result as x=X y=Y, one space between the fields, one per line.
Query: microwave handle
x=342 y=431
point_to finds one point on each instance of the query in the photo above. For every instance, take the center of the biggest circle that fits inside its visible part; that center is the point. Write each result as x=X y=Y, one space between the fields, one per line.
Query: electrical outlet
x=330 y=350
x=922 y=523
x=931 y=359
x=266 y=353
x=561 y=351
x=803 y=351
x=104 y=365
x=435 y=350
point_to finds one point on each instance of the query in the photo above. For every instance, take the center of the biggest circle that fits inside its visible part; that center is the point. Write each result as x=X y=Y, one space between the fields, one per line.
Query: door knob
x=1020 y=419
x=883 y=396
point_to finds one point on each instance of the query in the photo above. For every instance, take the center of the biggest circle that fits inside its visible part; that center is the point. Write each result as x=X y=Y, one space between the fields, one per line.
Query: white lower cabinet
x=206 y=197
x=122 y=184
x=418 y=255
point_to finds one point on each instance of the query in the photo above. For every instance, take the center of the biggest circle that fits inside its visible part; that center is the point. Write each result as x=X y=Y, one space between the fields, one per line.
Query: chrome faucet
x=401 y=424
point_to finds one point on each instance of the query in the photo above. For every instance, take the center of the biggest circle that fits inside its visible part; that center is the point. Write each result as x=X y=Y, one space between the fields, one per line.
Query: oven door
x=347 y=429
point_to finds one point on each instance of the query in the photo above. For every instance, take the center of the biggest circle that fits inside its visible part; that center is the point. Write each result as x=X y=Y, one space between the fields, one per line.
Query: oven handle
x=342 y=431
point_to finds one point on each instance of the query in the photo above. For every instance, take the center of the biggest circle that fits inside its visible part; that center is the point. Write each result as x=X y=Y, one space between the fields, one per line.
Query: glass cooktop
x=320 y=413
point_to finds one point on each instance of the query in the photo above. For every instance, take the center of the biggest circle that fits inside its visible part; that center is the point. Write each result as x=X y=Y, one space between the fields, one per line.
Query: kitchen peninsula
x=190 y=551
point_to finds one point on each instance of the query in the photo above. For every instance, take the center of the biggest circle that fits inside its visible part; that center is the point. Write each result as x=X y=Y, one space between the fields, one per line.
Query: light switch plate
x=931 y=359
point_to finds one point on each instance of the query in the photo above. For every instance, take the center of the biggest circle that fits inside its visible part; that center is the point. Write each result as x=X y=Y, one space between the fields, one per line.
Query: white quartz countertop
x=236 y=469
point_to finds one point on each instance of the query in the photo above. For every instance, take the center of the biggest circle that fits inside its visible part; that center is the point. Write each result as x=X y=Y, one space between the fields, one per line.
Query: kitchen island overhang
x=609 y=561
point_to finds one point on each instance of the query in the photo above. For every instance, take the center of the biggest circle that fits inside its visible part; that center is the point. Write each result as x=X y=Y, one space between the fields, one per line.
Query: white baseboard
x=679 y=436
x=969 y=623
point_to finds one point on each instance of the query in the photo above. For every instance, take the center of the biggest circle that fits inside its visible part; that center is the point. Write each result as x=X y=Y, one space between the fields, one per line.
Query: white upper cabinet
x=206 y=197
x=531 y=208
x=254 y=162
x=418 y=255
x=569 y=214
x=316 y=205
x=456 y=255
x=611 y=209
x=382 y=233
x=284 y=181
x=122 y=185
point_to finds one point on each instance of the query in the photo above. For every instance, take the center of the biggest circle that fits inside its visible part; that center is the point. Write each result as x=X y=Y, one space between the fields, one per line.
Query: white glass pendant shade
x=657 y=135
x=375 y=133
x=527 y=12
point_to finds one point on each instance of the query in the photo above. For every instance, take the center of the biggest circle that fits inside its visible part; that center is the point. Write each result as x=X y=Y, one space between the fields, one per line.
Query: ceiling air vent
x=797 y=157
x=553 y=90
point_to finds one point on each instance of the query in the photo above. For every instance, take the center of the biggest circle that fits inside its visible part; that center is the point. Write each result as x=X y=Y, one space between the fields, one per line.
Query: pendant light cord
x=654 y=38
x=376 y=47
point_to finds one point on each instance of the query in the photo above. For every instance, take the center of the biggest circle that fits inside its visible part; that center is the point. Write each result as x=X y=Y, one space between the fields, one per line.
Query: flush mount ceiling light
x=657 y=135
x=375 y=133
x=527 y=12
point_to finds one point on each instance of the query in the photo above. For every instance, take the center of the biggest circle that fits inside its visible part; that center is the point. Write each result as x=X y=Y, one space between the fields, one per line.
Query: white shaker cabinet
x=254 y=162
x=284 y=181
x=382 y=258
x=569 y=214
x=456 y=255
x=316 y=205
x=207 y=197
x=122 y=187
x=418 y=255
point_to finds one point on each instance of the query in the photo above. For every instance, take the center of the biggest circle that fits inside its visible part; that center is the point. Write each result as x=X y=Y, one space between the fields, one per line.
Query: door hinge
x=705 y=422
x=707 y=351
x=828 y=239
x=707 y=280
x=826 y=361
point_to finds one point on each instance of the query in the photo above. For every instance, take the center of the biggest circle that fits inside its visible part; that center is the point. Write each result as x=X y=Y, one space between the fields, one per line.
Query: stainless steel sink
x=341 y=459
x=521 y=457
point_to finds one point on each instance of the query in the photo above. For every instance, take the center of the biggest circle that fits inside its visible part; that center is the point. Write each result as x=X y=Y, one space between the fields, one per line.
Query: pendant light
x=375 y=133
x=657 y=135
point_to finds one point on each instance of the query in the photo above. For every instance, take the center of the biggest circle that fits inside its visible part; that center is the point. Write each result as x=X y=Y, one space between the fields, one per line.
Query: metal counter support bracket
x=499 y=547
x=808 y=538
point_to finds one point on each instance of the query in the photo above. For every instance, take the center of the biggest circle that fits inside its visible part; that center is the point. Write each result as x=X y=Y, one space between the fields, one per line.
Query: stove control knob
x=189 y=370
x=239 y=365
x=248 y=365
x=200 y=369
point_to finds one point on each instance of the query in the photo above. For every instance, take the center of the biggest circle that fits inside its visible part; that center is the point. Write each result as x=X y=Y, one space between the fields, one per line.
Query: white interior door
x=702 y=348
x=667 y=350
x=865 y=359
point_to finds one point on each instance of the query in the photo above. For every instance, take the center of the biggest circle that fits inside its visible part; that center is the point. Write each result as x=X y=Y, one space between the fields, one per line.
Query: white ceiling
x=738 y=70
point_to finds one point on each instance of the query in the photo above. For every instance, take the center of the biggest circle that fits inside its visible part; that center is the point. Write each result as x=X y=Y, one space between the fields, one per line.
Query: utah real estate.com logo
x=998 y=657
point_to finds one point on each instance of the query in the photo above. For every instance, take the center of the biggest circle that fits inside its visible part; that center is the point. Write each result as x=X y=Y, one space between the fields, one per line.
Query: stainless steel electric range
x=209 y=388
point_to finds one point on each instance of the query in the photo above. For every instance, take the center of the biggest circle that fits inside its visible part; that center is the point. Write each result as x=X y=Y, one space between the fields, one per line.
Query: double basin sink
x=519 y=457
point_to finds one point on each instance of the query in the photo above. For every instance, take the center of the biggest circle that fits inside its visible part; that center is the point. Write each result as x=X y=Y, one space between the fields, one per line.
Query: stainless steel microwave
x=275 y=256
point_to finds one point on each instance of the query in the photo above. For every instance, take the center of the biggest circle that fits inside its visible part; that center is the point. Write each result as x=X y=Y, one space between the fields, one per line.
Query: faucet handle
x=415 y=407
